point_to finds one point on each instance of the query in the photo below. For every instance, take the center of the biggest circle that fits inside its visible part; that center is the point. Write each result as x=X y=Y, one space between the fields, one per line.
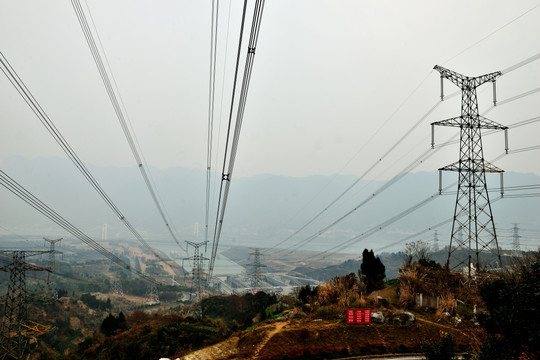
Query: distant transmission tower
x=472 y=212
x=516 y=247
x=116 y=287
x=435 y=241
x=152 y=296
x=14 y=334
x=256 y=275
x=52 y=256
x=104 y=232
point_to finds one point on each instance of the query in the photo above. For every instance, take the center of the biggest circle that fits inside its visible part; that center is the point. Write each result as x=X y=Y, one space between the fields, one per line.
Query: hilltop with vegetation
x=490 y=316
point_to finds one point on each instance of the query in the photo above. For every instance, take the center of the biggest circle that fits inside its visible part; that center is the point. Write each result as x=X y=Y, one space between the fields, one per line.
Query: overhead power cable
x=492 y=33
x=211 y=107
x=119 y=113
x=380 y=226
x=522 y=63
x=17 y=235
x=30 y=199
x=398 y=177
x=420 y=159
x=443 y=192
x=227 y=170
x=19 y=85
x=361 y=177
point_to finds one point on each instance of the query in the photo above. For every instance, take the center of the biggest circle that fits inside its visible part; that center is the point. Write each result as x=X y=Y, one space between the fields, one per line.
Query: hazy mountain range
x=262 y=210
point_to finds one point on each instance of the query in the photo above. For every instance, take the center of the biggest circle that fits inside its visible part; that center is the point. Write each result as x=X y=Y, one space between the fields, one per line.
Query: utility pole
x=14 y=334
x=52 y=257
x=256 y=275
x=472 y=212
x=196 y=272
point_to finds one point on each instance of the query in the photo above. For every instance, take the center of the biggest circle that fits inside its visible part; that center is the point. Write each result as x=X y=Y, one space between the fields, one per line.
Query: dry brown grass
x=328 y=293
x=410 y=282
x=447 y=303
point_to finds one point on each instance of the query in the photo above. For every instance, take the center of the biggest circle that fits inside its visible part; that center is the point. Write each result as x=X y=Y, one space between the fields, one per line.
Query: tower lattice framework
x=472 y=215
x=197 y=273
x=14 y=334
x=256 y=275
x=52 y=256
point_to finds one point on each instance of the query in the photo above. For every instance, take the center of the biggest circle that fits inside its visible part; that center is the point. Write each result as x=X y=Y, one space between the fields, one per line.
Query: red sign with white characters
x=358 y=316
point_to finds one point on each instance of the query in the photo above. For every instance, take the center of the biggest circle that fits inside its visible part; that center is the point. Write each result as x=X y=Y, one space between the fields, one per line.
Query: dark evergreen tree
x=306 y=292
x=112 y=323
x=372 y=271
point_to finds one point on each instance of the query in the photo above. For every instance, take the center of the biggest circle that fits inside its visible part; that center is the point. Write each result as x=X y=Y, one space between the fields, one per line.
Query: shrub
x=445 y=350
x=330 y=312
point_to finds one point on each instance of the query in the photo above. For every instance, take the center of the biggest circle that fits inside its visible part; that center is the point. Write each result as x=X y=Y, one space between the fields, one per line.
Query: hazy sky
x=332 y=81
x=335 y=86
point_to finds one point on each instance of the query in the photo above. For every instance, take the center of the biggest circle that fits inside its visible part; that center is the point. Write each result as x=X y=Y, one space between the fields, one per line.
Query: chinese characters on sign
x=358 y=316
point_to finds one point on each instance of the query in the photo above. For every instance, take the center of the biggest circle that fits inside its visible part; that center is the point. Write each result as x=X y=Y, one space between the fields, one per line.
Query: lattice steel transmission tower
x=116 y=287
x=197 y=269
x=14 y=332
x=256 y=275
x=435 y=241
x=152 y=295
x=516 y=246
x=472 y=213
x=197 y=274
x=52 y=256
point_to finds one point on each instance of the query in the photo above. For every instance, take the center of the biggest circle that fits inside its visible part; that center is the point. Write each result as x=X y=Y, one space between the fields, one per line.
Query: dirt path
x=451 y=328
x=269 y=336
x=223 y=350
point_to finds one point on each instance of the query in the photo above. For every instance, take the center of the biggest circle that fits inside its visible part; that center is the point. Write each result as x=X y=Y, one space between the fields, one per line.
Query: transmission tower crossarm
x=476 y=165
x=481 y=122
x=463 y=81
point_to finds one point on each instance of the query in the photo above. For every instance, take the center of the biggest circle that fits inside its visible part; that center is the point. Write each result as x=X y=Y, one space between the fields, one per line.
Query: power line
x=380 y=226
x=491 y=34
x=118 y=110
x=398 y=177
x=19 y=85
x=361 y=177
x=227 y=175
x=211 y=106
x=25 y=195
x=17 y=235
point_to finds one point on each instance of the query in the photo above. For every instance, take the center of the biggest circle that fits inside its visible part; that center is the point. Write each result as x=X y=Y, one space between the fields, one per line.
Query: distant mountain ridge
x=262 y=210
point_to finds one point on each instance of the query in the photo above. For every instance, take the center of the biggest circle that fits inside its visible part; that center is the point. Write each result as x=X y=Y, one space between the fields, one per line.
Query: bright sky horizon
x=335 y=85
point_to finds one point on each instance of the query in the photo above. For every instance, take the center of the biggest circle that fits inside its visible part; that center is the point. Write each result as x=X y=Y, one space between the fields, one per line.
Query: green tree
x=513 y=318
x=112 y=323
x=372 y=271
x=306 y=292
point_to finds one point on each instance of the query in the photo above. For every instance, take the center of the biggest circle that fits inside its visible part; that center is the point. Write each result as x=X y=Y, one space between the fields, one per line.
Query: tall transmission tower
x=197 y=273
x=516 y=247
x=14 y=337
x=52 y=256
x=197 y=269
x=472 y=212
x=256 y=275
